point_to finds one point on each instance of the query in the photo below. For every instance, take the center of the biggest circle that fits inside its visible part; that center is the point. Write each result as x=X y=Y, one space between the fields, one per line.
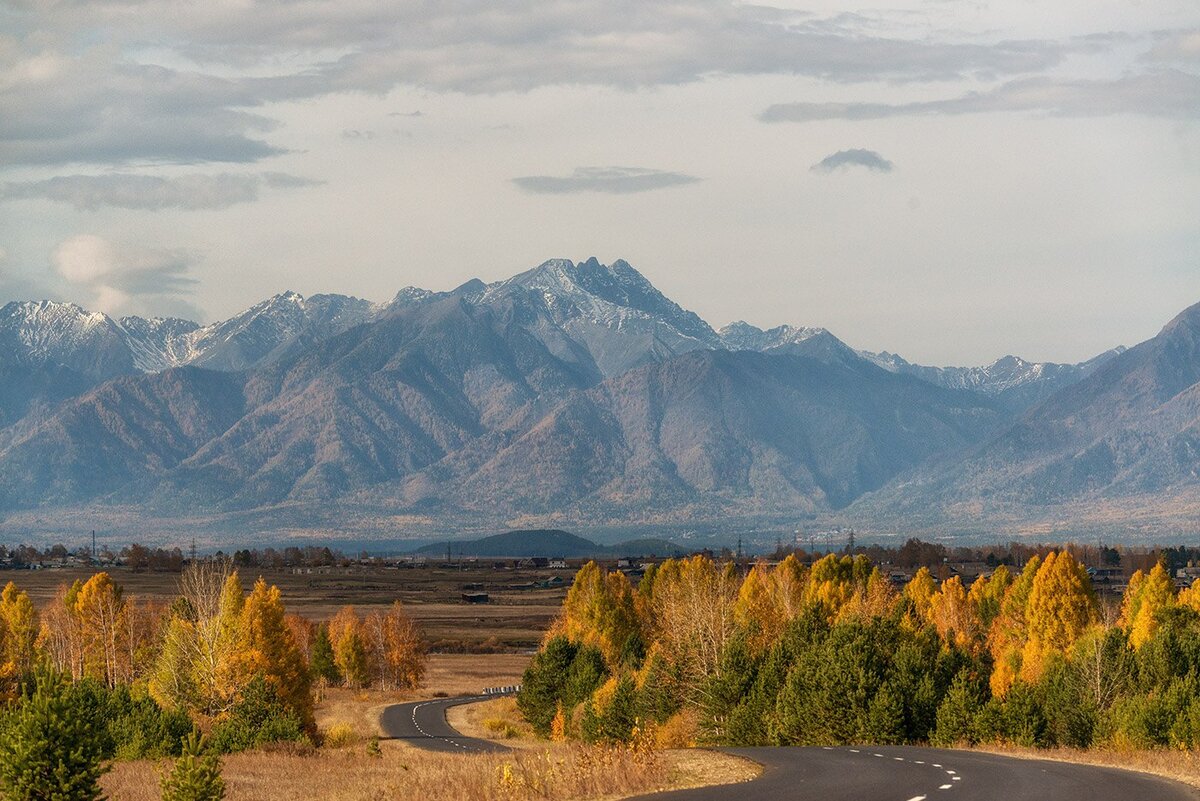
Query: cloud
x=1171 y=94
x=151 y=192
x=611 y=180
x=1180 y=47
x=127 y=279
x=854 y=157
x=220 y=62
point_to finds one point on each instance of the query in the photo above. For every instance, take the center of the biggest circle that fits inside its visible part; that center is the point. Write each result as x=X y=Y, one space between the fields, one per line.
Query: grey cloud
x=95 y=106
x=1171 y=94
x=1179 y=47
x=855 y=157
x=611 y=180
x=151 y=192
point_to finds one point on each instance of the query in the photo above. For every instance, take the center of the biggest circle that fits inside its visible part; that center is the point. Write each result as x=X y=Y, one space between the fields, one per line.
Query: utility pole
x=850 y=542
x=193 y=555
x=95 y=560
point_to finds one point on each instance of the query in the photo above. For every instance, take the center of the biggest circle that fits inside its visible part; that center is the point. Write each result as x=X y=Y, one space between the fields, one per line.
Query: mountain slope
x=715 y=430
x=1130 y=430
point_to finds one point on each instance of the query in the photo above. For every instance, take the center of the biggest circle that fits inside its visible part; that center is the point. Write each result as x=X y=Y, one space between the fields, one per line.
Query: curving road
x=904 y=773
x=862 y=773
x=423 y=724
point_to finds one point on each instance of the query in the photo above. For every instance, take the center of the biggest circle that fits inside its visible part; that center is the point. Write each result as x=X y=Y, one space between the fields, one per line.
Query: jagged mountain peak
x=601 y=291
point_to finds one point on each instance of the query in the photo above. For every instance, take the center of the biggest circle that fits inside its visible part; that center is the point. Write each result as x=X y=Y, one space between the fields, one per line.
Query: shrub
x=340 y=735
x=562 y=673
x=258 y=718
x=49 y=747
x=956 y=715
x=196 y=776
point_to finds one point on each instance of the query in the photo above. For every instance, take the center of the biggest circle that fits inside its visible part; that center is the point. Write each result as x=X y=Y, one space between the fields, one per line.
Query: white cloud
x=124 y=278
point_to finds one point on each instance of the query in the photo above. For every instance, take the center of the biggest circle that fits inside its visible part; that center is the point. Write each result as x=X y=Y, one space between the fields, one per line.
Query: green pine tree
x=196 y=775
x=49 y=748
x=322 y=664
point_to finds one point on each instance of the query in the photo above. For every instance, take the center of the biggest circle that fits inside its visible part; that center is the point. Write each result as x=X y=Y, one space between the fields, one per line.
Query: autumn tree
x=195 y=667
x=18 y=635
x=759 y=610
x=599 y=611
x=920 y=591
x=267 y=649
x=397 y=647
x=833 y=582
x=1006 y=639
x=1146 y=597
x=61 y=634
x=100 y=608
x=987 y=595
x=351 y=655
x=1061 y=607
x=952 y=615
x=693 y=617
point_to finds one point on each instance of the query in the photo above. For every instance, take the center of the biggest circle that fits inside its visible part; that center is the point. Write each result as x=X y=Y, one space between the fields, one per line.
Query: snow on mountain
x=611 y=311
x=46 y=332
x=741 y=335
x=158 y=343
x=1009 y=376
x=254 y=335
x=606 y=318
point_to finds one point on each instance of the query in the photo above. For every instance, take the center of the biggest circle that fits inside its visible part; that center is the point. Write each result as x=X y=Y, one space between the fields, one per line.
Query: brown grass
x=1181 y=766
x=497 y=719
x=401 y=773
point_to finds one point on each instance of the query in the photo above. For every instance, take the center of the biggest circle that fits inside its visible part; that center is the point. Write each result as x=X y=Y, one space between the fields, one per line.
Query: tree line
x=128 y=678
x=833 y=653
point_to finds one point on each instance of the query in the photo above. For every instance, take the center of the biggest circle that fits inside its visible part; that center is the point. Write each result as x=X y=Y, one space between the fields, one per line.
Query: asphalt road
x=902 y=773
x=424 y=725
x=863 y=773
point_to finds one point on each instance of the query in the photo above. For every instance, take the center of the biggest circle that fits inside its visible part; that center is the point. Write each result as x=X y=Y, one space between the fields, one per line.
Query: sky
x=952 y=181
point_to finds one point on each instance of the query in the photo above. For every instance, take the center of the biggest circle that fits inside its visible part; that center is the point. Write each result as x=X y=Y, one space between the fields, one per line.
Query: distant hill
x=547 y=543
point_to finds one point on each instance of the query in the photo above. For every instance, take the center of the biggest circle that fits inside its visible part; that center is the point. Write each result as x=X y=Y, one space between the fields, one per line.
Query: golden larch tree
x=267 y=649
x=952 y=615
x=1062 y=606
x=1145 y=598
x=350 y=651
x=1007 y=636
x=19 y=624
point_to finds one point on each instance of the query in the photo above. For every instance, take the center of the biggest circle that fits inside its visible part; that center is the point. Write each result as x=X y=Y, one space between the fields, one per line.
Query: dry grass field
x=403 y=773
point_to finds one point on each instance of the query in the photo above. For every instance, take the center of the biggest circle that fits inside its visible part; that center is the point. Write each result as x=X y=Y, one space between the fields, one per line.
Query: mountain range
x=572 y=393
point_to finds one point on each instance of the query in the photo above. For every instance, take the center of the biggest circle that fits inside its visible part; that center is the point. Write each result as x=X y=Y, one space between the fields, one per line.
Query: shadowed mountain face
x=571 y=391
